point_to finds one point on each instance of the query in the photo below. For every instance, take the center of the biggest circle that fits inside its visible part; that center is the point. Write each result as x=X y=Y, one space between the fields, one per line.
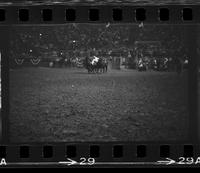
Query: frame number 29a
x=188 y=160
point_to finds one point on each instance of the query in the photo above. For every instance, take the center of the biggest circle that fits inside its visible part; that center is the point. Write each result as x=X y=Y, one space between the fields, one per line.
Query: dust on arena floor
x=60 y=105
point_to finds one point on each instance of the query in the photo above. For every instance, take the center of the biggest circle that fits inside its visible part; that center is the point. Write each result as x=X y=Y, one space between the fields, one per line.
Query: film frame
x=105 y=154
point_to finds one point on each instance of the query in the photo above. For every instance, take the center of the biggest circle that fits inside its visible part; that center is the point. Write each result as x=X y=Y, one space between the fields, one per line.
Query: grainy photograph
x=98 y=82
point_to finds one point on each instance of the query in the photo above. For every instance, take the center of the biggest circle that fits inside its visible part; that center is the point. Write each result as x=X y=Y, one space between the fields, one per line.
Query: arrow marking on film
x=167 y=162
x=69 y=162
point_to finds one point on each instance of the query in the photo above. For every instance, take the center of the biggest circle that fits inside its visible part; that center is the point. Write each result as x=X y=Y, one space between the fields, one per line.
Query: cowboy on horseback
x=96 y=64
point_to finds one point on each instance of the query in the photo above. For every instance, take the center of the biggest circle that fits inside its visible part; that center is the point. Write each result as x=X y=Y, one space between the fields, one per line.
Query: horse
x=89 y=65
x=102 y=65
x=142 y=65
x=96 y=64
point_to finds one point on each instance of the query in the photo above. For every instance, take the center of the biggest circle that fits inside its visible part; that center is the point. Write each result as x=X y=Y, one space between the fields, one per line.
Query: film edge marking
x=69 y=162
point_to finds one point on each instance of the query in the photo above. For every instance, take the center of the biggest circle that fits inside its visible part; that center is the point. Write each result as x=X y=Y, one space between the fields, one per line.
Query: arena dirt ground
x=60 y=105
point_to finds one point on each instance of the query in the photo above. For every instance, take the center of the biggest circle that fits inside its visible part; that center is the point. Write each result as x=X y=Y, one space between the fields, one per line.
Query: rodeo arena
x=83 y=82
x=145 y=56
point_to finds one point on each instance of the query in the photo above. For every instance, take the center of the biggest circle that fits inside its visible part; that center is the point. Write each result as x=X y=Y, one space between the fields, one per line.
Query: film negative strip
x=99 y=84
